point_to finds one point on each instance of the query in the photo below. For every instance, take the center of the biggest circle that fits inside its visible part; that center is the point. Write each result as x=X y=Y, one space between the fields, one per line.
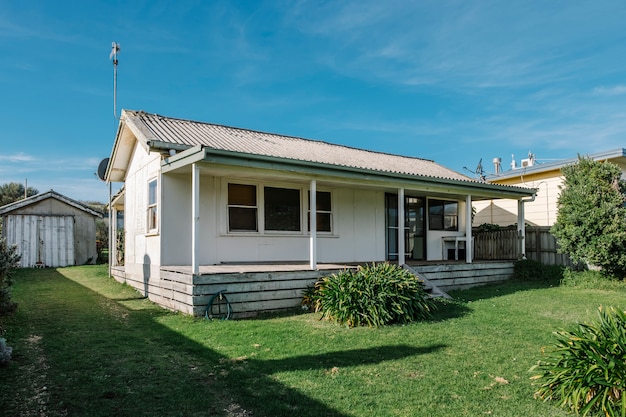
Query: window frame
x=152 y=207
x=303 y=211
x=320 y=212
x=254 y=208
x=442 y=216
x=297 y=215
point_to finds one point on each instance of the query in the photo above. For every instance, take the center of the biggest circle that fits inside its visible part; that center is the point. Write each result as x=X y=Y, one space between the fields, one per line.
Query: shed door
x=42 y=240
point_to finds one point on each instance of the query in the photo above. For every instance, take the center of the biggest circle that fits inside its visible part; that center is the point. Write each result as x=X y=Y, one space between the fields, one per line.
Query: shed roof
x=8 y=208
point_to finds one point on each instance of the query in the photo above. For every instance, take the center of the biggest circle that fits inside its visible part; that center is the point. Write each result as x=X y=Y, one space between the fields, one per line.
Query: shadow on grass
x=81 y=353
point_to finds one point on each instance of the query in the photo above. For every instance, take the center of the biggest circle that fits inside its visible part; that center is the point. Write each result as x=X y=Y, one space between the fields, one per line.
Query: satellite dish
x=102 y=168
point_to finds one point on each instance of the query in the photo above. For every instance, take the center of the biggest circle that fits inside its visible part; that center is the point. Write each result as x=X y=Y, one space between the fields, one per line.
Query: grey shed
x=50 y=230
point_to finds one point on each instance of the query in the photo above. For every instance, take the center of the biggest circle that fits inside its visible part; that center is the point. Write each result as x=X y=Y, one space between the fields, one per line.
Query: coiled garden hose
x=218 y=307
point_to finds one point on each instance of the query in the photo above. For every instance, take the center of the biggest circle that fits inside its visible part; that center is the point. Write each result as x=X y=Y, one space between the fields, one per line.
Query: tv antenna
x=479 y=171
x=115 y=49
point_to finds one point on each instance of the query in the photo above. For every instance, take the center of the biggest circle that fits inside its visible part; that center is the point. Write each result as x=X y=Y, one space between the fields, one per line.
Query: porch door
x=414 y=227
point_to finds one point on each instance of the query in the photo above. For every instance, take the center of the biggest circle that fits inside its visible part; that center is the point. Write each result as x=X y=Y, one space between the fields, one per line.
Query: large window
x=324 y=212
x=282 y=209
x=267 y=209
x=242 y=208
x=152 y=219
x=443 y=215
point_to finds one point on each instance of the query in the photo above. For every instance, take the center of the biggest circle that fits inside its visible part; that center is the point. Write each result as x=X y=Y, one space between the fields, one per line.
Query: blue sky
x=452 y=81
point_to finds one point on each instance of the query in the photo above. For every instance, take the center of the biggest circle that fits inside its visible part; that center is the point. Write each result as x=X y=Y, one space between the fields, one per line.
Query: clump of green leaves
x=530 y=270
x=9 y=259
x=591 y=221
x=372 y=296
x=586 y=369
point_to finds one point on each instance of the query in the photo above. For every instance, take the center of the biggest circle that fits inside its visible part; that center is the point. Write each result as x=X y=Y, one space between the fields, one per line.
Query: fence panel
x=501 y=245
x=497 y=245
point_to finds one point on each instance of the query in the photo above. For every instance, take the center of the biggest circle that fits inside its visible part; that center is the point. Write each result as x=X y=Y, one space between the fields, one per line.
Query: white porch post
x=195 y=215
x=113 y=237
x=313 y=223
x=401 y=226
x=469 y=243
x=521 y=227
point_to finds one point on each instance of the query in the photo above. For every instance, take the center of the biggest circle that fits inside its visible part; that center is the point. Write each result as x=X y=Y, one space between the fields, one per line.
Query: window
x=443 y=215
x=242 y=208
x=324 y=212
x=282 y=209
x=152 y=206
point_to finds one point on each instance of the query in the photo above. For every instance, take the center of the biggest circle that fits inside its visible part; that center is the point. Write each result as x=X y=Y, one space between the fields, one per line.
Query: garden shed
x=51 y=230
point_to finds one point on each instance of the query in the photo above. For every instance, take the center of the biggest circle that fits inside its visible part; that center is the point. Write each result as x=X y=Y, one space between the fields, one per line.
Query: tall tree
x=591 y=220
x=14 y=191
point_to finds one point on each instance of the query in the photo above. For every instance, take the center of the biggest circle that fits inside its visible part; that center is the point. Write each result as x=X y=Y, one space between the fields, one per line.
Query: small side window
x=152 y=212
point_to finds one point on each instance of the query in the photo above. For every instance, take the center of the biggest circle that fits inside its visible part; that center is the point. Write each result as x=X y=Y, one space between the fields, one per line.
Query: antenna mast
x=115 y=49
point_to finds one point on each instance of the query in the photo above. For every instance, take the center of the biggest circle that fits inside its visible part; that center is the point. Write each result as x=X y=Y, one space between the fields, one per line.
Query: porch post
x=469 y=243
x=401 y=226
x=113 y=237
x=521 y=227
x=195 y=216
x=313 y=223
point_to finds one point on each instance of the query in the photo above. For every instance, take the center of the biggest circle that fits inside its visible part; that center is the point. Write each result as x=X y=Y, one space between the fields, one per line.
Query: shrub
x=373 y=296
x=586 y=369
x=5 y=352
x=529 y=270
x=591 y=221
x=8 y=260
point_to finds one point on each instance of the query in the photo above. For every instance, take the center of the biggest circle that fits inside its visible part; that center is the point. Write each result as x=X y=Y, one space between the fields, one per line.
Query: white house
x=201 y=199
x=547 y=179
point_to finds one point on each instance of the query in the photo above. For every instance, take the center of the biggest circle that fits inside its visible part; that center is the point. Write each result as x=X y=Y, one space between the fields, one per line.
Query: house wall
x=358 y=227
x=84 y=226
x=541 y=212
x=142 y=252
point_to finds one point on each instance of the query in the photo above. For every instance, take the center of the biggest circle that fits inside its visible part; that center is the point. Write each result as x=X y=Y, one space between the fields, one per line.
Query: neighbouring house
x=260 y=215
x=51 y=230
x=546 y=178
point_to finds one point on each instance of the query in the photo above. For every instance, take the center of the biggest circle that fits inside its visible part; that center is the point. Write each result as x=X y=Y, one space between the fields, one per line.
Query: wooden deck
x=252 y=288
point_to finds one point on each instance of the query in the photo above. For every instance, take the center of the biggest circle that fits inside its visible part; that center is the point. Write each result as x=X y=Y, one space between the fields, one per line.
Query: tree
x=14 y=191
x=591 y=220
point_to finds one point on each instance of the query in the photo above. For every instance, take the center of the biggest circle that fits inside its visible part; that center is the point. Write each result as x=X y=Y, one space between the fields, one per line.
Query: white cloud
x=18 y=157
x=616 y=90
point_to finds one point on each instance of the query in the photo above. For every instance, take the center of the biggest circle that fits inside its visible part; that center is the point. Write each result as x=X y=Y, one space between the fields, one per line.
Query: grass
x=85 y=345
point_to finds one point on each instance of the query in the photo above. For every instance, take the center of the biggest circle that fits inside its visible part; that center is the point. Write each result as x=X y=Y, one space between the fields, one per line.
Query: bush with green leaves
x=585 y=370
x=372 y=296
x=591 y=222
x=530 y=270
x=9 y=259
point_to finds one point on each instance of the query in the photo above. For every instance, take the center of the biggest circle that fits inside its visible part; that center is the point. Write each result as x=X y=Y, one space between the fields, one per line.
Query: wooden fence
x=504 y=245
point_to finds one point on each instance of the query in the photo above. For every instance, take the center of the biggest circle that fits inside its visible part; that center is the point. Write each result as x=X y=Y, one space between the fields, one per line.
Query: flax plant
x=372 y=296
x=585 y=370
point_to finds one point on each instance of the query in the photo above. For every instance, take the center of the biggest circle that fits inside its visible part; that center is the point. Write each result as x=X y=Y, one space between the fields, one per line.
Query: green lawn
x=85 y=345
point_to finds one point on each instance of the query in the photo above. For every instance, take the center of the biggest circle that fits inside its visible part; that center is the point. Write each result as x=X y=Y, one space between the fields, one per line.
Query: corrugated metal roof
x=8 y=208
x=225 y=138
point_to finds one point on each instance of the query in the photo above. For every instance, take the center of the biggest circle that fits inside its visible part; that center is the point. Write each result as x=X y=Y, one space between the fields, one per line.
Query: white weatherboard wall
x=42 y=240
x=142 y=255
x=358 y=226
